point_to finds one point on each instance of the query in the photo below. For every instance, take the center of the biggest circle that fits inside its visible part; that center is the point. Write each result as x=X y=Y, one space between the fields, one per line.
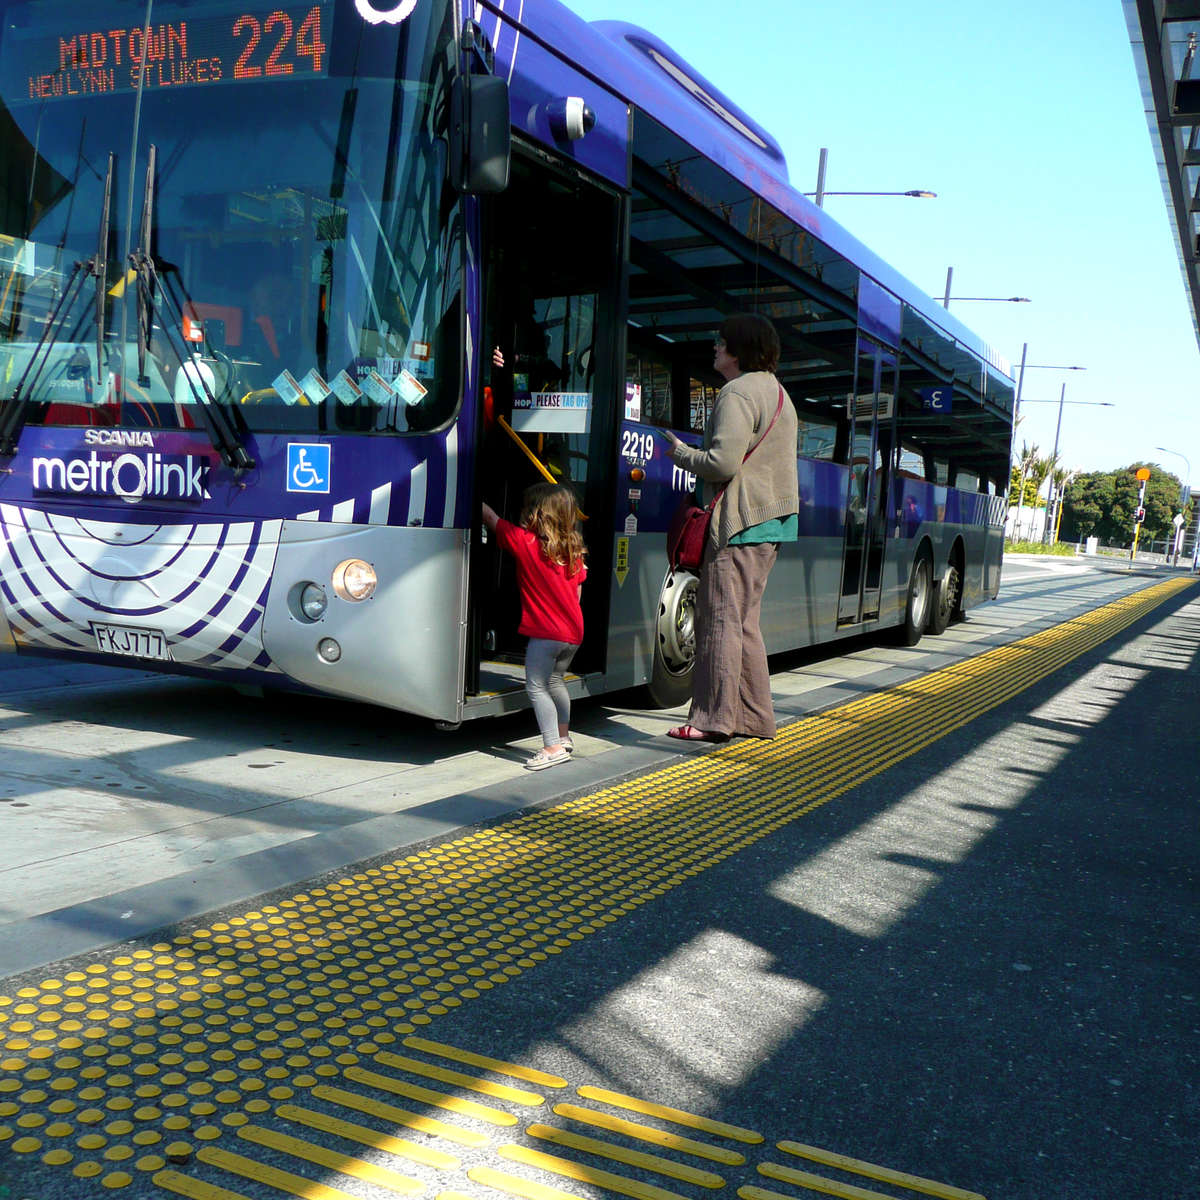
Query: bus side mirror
x=480 y=137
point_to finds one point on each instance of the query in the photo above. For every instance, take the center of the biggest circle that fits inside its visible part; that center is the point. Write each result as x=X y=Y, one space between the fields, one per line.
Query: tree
x=1103 y=504
x=1039 y=472
x=1062 y=477
x=1086 y=508
x=1025 y=462
x=1017 y=496
x=1162 y=503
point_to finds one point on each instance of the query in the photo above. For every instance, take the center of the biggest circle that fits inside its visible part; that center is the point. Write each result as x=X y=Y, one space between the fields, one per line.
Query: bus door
x=552 y=266
x=870 y=407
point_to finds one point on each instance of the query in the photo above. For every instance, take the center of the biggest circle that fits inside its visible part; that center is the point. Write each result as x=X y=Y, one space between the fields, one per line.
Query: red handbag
x=687 y=534
x=688 y=530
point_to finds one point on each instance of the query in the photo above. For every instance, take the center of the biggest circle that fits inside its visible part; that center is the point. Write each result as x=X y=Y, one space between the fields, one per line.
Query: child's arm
x=490 y=517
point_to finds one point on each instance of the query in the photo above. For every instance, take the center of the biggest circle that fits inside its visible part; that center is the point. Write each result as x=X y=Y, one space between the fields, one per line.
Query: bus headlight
x=329 y=650
x=313 y=601
x=354 y=579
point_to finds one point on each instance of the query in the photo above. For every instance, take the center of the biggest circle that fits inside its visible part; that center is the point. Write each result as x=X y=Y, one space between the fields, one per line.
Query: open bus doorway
x=551 y=273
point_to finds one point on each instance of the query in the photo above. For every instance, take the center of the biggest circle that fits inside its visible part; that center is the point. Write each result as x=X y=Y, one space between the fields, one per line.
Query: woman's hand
x=497 y=357
x=668 y=437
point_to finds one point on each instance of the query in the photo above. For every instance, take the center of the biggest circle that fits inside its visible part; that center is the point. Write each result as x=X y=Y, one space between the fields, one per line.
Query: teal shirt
x=778 y=529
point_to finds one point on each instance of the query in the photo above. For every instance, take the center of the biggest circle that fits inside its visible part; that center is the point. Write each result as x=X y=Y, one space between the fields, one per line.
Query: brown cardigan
x=767 y=485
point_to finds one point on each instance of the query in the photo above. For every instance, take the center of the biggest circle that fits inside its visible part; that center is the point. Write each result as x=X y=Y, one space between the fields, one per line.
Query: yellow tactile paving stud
x=234 y=1056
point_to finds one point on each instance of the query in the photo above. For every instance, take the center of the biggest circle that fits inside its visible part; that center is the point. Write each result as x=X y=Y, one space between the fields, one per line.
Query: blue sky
x=1026 y=118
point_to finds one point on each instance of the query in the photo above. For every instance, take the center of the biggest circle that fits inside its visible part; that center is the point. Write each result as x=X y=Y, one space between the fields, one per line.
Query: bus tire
x=674 y=641
x=918 y=600
x=945 y=600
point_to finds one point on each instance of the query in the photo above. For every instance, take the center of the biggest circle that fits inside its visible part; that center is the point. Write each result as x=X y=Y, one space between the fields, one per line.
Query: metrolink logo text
x=132 y=477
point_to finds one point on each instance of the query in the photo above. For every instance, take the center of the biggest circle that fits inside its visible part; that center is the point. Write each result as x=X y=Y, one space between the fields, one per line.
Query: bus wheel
x=674 y=641
x=917 y=605
x=946 y=600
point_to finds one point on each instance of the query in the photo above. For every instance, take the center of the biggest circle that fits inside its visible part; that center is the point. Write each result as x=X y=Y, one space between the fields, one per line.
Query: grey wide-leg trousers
x=732 y=686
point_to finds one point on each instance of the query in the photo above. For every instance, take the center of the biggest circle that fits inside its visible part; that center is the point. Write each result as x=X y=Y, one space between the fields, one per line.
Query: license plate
x=132 y=641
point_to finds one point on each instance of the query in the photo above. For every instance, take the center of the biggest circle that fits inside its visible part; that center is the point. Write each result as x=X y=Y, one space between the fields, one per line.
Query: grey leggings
x=545 y=662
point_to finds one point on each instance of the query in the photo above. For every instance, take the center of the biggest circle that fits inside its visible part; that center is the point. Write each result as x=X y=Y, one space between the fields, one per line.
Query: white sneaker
x=568 y=745
x=547 y=758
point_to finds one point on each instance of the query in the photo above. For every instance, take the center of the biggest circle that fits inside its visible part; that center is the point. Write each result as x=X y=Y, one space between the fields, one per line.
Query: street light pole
x=946 y=297
x=1017 y=409
x=1053 y=492
x=1051 y=495
x=820 y=194
x=1012 y=446
x=1020 y=385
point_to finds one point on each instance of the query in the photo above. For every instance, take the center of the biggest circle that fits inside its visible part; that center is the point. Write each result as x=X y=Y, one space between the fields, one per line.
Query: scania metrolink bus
x=256 y=263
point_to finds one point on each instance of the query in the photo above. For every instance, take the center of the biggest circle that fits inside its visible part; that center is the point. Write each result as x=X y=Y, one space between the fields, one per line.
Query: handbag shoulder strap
x=778 y=409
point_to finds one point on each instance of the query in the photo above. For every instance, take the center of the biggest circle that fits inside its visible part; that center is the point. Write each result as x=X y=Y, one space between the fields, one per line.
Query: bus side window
x=654 y=380
x=816 y=437
x=700 y=401
x=910 y=462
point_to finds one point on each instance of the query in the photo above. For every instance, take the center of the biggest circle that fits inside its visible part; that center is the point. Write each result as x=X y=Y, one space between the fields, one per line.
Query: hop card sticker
x=314 y=387
x=412 y=390
x=377 y=388
x=290 y=392
x=346 y=390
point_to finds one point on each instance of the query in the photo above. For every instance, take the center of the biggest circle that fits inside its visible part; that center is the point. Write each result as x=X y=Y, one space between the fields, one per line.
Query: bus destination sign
x=239 y=45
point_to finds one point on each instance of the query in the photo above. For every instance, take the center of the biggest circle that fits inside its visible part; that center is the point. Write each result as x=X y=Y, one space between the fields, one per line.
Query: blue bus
x=287 y=290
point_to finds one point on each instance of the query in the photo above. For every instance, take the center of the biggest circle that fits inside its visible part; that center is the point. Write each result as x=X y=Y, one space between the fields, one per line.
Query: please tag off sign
x=552 y=412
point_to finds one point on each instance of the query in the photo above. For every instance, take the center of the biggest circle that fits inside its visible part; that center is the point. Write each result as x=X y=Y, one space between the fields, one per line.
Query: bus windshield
x=305 y=246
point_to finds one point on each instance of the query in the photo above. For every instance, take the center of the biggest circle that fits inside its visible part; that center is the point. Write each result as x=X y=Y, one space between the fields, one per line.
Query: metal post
x=946 y=297
x=1184 y=489
x=1053 y=464
x=1012 y=448
x=820 y=196
x=1137 y=525
x=1020 y=385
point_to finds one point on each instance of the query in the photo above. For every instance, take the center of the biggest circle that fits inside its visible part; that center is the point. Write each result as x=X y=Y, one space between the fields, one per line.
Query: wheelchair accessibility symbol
x=307 y=468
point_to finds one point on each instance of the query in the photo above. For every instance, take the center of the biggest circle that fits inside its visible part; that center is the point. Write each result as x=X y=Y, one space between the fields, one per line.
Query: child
x=549 y=552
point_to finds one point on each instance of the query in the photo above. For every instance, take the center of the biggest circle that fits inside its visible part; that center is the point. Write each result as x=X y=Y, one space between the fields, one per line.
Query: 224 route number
x=279 y=26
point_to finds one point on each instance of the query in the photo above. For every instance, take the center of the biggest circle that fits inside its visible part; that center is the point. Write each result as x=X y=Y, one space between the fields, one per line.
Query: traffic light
x=1140 y=515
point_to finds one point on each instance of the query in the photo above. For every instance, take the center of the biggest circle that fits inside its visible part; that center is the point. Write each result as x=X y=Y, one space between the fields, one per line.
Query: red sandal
x=689 y=733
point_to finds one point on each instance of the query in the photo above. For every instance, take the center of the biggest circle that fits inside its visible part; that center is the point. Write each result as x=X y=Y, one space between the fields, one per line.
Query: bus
x=288 y=289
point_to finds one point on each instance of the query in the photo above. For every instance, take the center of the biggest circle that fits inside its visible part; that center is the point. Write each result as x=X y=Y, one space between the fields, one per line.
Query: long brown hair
x=550 y=512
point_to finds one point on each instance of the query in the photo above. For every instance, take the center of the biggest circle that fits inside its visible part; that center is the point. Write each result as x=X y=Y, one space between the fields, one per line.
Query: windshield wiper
x=219 y=428
x=100 y=266
x=12 y=421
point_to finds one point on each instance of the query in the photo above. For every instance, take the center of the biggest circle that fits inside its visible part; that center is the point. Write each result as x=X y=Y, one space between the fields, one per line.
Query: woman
x=756 y=511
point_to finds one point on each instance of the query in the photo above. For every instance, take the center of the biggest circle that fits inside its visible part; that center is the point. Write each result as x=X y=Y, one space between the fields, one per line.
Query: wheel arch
x=924 y=547
x=955 y=556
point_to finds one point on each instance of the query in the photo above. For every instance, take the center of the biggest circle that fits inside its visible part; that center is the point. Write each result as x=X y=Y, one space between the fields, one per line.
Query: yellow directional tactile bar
x=140 y=1065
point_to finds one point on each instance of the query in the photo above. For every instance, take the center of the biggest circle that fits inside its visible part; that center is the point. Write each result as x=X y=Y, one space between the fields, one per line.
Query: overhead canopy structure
x=1165 y=36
